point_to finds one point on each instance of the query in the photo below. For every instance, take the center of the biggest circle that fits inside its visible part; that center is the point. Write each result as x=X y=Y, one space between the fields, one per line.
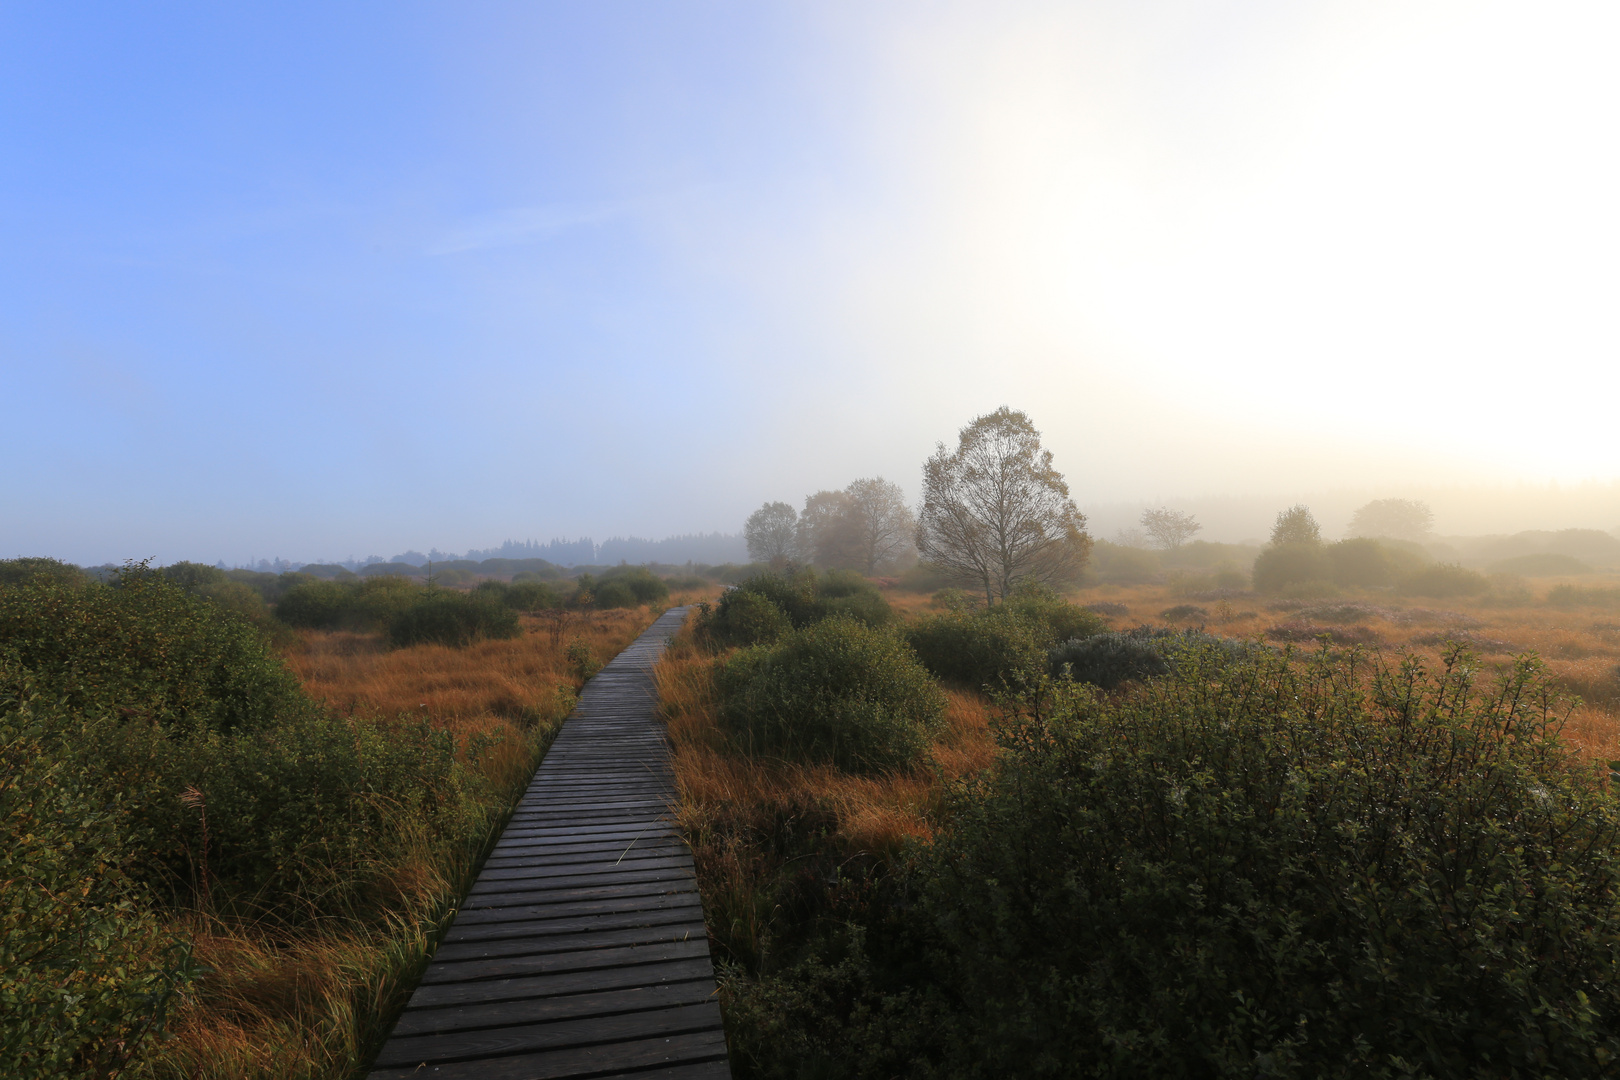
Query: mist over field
x=320 y=284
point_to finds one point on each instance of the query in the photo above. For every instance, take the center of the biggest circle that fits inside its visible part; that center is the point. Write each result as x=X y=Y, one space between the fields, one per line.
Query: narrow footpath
x=580 y=951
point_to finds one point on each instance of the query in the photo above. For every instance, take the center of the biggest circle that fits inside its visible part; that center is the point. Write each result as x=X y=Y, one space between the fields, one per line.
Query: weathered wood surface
x=580 y=950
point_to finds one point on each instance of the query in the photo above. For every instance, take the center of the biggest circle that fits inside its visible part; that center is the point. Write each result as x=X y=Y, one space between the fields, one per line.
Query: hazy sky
x=327 y=279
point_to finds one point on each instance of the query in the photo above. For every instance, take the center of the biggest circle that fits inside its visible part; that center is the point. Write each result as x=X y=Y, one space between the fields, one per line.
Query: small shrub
x=743 y=617
x=1291 y=565
x=1053 y=618
x=1360 y=562
x=613 y=594
x=976 y=649
x=1444 y=580
x=1107 y=660
x=1183 y=612
x=449 y=618
x=837 y=691
x=315 y=605
x=640 y=583
x=581 y=661
x=1108 y=608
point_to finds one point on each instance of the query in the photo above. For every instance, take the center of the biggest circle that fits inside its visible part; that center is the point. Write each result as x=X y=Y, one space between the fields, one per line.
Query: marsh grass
x=317 y=1002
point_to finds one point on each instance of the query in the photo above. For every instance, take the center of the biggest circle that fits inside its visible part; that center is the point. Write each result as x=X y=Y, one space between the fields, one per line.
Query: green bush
x=1109 y=659
x=1445 y=580
x=743 y=617
x=838 y=692
x=1053 y=618
x=643 y=585
x=39 y=570
x=613 y=594
x=1284 y=565
x=87 y=971
x=315 y=605
x=451 y=618
x=147 y=651
x=1271 y=870
x=977 y=649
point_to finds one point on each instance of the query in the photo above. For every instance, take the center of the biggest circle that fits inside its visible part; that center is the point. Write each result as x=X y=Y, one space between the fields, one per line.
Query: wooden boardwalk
x=580 y=950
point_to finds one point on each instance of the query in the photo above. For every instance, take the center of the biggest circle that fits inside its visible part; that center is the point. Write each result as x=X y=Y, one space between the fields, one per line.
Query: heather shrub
x=837 y=691
x=1332 y=869
x=1107 y=608
x=1444 y=580
x=451 y=618
x=1184 y=612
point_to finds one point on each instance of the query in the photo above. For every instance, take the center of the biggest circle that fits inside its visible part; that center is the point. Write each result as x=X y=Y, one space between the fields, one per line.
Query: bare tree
x=1296 y=526
x=770 y=533
x=995 y=512
x=880 y=524
x=1169 y=528
x=1401 y=519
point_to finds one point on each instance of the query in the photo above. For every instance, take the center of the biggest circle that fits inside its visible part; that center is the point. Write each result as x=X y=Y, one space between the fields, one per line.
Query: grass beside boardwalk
x=318 y=1003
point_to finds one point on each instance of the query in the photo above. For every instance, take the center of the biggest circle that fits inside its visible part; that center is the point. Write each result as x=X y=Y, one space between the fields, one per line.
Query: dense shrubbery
x=87 y=971
x=975 y=649
x=440 y=617
x=154 y=752
x=837 y=691
x=1269 y=868
x=621 y=587
x=1003 y=646
x=147 y=649
x=766 y=606
x=1109 y=659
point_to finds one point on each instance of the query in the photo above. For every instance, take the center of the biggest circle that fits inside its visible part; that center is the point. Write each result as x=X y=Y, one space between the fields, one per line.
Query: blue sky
x=329 y=280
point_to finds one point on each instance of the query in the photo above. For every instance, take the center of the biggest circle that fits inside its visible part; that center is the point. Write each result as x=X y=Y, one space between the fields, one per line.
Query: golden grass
x=315 y=1006
x=1580 y=652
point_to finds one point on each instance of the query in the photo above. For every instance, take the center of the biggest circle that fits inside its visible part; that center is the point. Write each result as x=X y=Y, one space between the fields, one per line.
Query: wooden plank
x=591 y=1061
x=580 y=950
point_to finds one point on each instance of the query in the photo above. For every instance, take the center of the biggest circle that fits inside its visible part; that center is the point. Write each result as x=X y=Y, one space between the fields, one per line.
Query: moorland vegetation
x=237 y=812
x=1295 y=822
